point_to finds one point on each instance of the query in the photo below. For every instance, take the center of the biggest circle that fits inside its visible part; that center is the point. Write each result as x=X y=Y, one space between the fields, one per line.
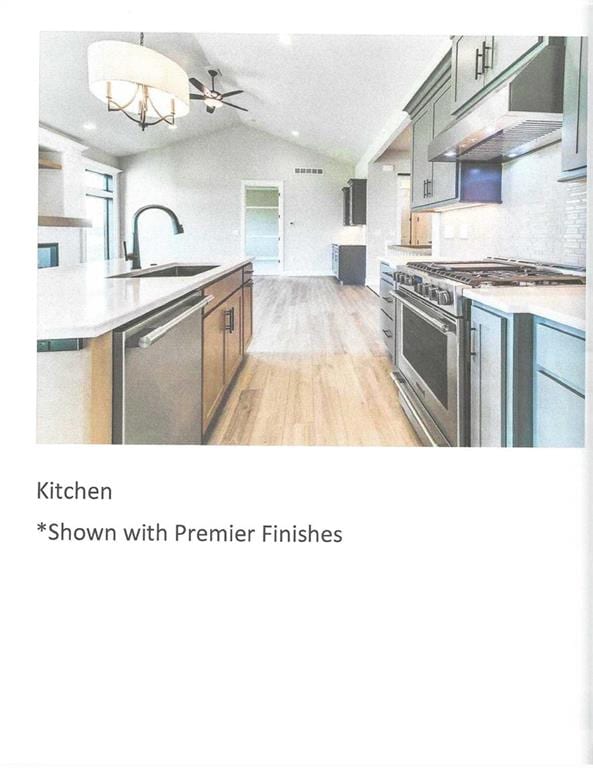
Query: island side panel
x=74 y=394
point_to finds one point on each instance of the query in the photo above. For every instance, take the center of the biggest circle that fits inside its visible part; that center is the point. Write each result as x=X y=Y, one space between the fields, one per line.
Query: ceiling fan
x=210 y=96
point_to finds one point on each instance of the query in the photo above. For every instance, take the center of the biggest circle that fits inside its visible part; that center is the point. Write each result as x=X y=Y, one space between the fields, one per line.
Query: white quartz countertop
x=561 y=303
x=82 y=302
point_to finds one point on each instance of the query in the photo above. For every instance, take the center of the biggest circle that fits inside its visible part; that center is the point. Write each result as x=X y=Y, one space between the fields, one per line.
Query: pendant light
x=146 y=86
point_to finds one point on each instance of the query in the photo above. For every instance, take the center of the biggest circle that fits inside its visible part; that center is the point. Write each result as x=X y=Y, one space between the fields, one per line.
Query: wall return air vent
x=309 y=171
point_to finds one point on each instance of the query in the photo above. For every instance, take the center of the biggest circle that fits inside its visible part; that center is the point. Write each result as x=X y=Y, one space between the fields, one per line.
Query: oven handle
x=442 y=327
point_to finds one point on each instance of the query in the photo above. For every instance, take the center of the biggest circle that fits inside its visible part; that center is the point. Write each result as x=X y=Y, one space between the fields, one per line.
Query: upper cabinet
x=574 y=125
x=355 y=202
x=480 y=60
x=436 y=185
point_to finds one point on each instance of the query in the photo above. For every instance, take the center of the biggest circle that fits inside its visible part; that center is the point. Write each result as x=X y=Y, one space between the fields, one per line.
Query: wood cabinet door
x=421 y=167
x=247 y=313
x=488 y=379
x=467 y=76
x=421 y=229
x=574 y=124
x=233 y=342
x=212 y=363
x=504 y=51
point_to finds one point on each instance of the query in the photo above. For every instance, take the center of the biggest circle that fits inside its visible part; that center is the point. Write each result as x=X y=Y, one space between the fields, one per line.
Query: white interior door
x=262 y=226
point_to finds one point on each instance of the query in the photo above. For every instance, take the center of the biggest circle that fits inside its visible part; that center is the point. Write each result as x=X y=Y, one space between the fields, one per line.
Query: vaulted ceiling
x=337 y=92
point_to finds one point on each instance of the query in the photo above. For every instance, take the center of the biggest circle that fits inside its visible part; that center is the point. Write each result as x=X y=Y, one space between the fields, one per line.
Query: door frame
x=265 y=183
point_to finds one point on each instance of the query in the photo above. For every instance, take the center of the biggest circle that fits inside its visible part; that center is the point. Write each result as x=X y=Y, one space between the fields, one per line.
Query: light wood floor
x=316 y=371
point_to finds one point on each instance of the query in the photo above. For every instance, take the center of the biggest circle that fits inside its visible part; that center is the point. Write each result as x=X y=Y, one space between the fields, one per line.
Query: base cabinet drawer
x=562 y=354
x=388 y=333
x=559 y=414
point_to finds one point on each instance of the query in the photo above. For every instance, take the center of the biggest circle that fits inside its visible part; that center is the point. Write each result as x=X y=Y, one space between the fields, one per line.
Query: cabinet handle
x=428 y=187
x=424 y=187
x=388 y=300
x=485 y=66
x=477 y=73
x=228 y=320
x=472 y=341
x=387 y=333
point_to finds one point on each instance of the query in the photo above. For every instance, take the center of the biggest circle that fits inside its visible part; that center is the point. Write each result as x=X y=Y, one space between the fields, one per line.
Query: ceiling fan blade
x=230 y=93
x=228 y=103
x=197 y=84
x=198 y=96
x=210 y=109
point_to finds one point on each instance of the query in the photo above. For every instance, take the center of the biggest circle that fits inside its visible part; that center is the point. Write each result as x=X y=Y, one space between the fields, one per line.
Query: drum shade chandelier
x=146 y=86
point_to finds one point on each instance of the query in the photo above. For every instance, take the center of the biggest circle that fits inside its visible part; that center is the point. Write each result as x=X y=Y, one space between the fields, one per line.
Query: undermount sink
x=178 y=270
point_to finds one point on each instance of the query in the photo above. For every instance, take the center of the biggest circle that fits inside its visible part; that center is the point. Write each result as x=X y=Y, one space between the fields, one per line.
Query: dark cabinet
x=387 y=308
x=558 y=386
x=488 y=378
x=437 y=185
x=355 y=202
x=480 y=60
x=349 y=263
x=574 y=124
x=500 y=378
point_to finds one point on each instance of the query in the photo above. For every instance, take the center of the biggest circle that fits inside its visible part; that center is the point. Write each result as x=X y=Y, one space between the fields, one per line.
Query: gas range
x=442 y=283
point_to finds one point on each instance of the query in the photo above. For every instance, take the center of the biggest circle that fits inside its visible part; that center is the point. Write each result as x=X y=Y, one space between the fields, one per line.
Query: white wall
x=62 y=192
x=540 y=218
x=382 y=209
x=200 y=179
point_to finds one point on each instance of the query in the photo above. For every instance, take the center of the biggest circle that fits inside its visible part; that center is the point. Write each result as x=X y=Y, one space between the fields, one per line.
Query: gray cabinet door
x=505 y=50
x=574 y=125
x=467 y=75
x=444 y=175
x=421 y=167
x=487 y=379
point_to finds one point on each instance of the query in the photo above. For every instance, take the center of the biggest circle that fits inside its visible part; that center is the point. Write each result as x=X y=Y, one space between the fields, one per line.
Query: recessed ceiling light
x=89 y=126
x=295 y=133
x=285 y=39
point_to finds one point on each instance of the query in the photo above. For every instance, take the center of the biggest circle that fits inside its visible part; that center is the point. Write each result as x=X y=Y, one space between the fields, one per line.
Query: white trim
x=57 y=142
x=265 y=183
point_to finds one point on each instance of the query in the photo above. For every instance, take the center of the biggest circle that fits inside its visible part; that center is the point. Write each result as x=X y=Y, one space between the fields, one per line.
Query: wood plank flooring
x=316 y=371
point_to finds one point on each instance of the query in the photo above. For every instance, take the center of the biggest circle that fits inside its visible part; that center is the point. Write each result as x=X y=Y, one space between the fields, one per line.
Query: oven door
x=427 y=357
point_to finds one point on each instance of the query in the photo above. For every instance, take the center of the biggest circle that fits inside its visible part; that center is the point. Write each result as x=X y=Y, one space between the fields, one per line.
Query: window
x=100 y=210
x=47 y=255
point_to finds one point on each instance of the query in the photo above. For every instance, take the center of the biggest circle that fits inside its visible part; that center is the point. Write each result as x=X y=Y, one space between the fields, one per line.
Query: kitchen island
x=527 y=370
x=79 y=308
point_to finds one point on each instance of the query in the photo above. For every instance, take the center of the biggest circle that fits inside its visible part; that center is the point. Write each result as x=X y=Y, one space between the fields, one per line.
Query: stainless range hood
x=522 y=115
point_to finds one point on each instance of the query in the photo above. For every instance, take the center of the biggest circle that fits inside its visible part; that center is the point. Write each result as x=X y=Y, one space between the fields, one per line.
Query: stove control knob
x=433 y=293
x=418 y=288
x=444 y=297
x=426 y=290
x=407 y=279
x=398 y=277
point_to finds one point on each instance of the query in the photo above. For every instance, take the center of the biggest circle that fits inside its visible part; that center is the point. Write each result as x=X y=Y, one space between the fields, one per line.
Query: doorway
x=262 y=225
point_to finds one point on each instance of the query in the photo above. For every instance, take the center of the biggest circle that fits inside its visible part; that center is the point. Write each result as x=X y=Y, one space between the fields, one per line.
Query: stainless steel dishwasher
x=157 y=375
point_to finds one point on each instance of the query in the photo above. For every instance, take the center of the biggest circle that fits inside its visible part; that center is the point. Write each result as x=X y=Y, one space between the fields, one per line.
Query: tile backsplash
x=540 y=218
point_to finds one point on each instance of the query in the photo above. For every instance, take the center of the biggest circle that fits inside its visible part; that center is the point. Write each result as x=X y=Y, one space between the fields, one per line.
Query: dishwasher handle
x=146 y=341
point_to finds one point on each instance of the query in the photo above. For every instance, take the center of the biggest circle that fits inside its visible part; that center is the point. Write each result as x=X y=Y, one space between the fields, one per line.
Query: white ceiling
x=338 y=91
